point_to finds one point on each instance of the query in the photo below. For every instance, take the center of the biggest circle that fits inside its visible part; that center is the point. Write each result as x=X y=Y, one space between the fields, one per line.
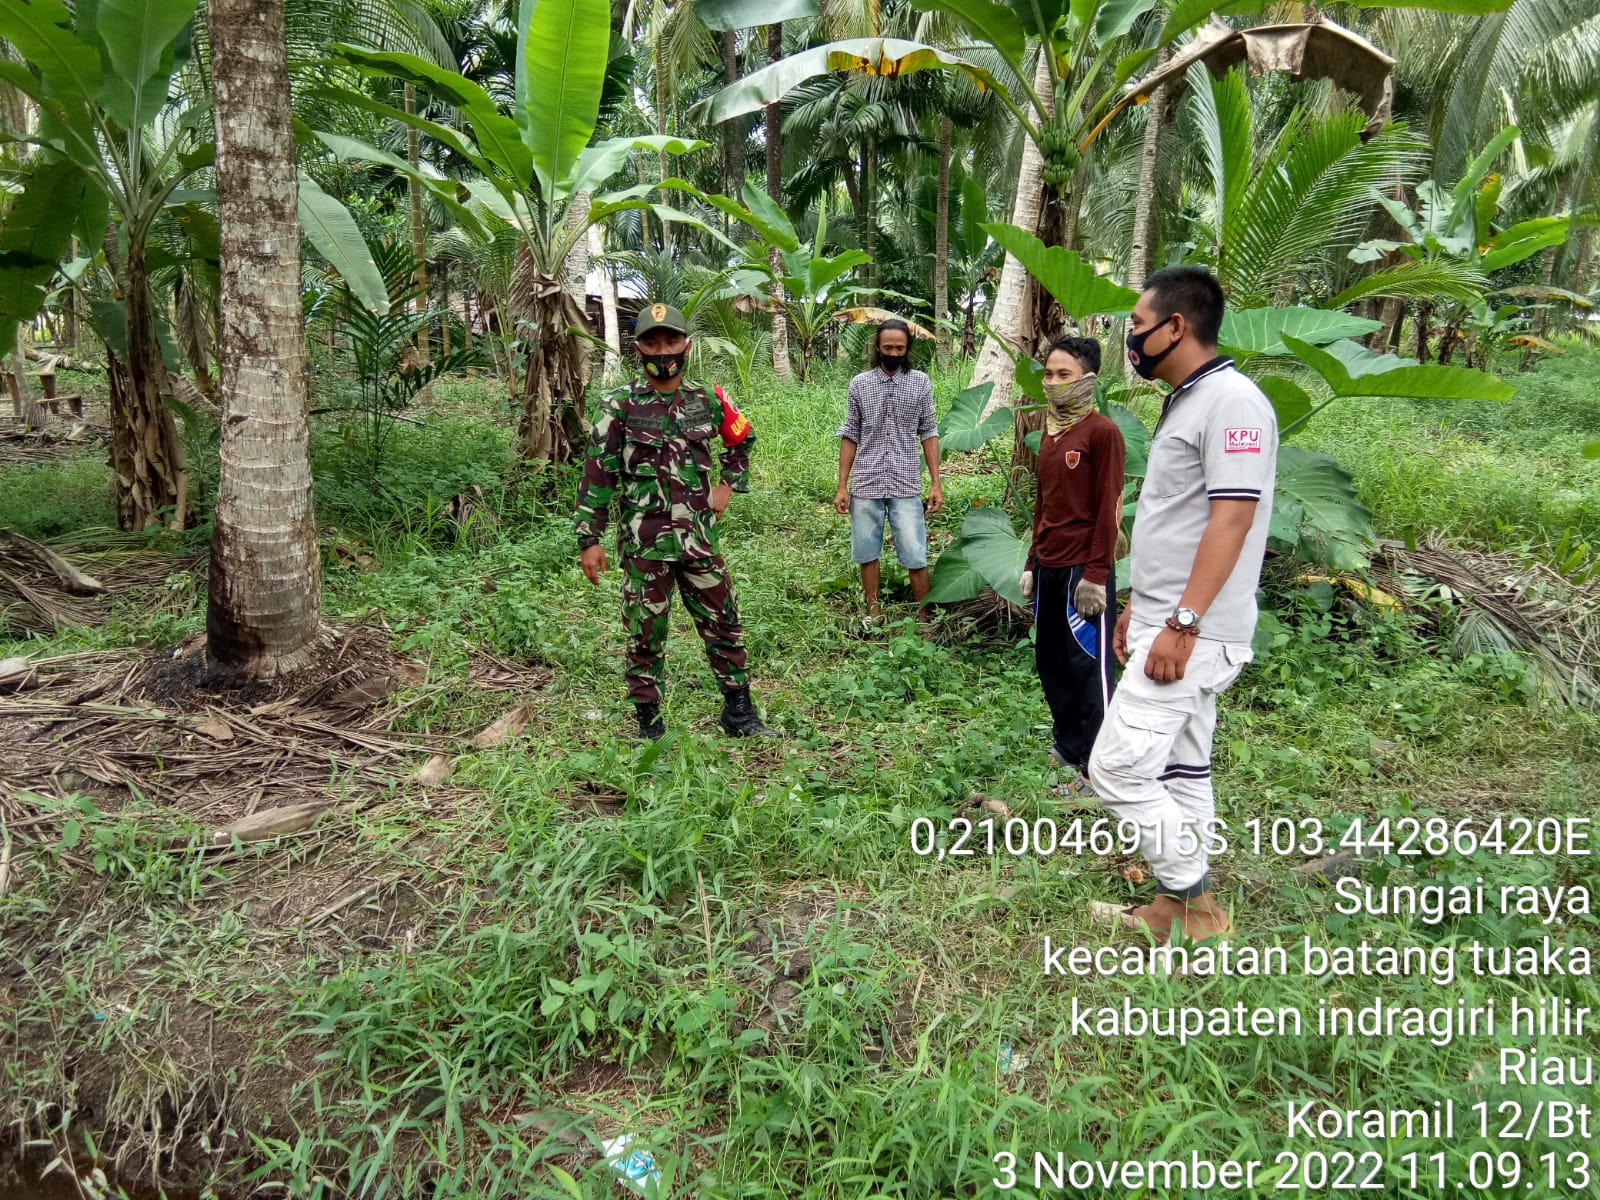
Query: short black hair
x=877 y=337
x=1193 y=291
x=1085 y=350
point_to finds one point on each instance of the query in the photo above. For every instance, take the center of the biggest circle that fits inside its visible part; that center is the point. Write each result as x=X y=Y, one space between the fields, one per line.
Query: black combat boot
x=739 y=717
x=650 y=726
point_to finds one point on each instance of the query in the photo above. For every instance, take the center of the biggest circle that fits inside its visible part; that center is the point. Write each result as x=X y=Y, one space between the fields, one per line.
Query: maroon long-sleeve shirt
x=1080 y=495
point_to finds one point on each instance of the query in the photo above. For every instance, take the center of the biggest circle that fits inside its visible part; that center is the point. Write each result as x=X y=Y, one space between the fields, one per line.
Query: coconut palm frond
x=1311 y=193
x=1434 y=280
x=1491 y=603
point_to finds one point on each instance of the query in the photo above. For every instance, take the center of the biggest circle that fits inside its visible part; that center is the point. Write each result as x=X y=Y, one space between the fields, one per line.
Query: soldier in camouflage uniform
x=652 y=442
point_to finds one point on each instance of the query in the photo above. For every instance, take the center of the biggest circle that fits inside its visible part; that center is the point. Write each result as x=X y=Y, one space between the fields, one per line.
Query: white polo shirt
x=1217 y=440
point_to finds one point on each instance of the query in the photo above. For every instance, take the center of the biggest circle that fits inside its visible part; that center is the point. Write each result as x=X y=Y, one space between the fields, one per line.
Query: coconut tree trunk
x=1390 y=315
x=419 y=241
x=852 y=187
x=449 y=313
x=941 y=245
x=1578 y=280
x=608 y=309
x=1424 y=324
x=1144 y=206
x=868 y=213
x=663 y=100
x=732 y=131
x=1011 y=324
x=265 y=595
x=773 y=119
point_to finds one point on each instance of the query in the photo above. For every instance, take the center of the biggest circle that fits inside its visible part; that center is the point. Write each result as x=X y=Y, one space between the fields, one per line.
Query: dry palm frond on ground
x=1502 y=602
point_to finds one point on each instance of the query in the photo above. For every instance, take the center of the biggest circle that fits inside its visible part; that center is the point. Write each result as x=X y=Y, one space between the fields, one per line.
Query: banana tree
x=1456 y=228
x=1317 y=515
x=1062 y=98
x=540 y=177
x=811 y=293
x=118 y=155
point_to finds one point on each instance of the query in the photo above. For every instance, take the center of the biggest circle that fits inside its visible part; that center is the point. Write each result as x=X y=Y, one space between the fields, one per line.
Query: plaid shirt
x=888 y=417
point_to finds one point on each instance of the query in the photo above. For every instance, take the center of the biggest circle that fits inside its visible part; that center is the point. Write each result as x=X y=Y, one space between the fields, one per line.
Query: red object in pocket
x=735 y=428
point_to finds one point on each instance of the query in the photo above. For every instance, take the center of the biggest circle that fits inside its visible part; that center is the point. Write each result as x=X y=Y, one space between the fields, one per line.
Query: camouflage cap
x=659 y=316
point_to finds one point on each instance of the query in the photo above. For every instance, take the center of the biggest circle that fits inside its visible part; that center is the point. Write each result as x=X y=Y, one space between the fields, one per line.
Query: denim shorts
x=905 y=522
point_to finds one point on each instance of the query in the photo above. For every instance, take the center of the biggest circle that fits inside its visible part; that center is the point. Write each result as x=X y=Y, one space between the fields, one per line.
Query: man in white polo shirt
x=1198 y=542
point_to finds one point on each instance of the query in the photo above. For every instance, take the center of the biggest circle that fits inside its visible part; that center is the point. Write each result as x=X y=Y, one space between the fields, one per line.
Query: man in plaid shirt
x=889 y=413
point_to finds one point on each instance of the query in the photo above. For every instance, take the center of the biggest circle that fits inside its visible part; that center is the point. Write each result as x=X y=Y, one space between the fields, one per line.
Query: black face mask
x=1144 y=365
x=892 y=362
x=664 y=366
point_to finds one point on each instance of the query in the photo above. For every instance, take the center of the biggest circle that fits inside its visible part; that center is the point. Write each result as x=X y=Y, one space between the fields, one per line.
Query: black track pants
x=1074 y=659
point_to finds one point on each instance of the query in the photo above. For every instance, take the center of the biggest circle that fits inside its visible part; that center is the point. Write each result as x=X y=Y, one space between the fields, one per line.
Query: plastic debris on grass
x=634 y=1166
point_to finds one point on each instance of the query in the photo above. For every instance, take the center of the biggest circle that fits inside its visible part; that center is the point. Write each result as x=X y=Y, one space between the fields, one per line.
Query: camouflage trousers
x=708 y=595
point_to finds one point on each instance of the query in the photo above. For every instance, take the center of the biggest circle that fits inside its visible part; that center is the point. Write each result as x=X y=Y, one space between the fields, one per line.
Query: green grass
x=49 y=500
x=741 y=958
x=1492 y=473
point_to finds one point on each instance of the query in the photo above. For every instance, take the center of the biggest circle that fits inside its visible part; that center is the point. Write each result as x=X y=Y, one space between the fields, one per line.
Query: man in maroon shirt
x=1069 y=572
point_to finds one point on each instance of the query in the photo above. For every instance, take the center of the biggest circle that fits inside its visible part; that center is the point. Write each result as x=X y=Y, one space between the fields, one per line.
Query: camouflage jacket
x=656 y=451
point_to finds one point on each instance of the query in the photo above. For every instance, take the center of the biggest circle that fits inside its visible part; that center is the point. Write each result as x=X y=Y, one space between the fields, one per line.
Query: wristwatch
x=586 y=541
x=1184 y=620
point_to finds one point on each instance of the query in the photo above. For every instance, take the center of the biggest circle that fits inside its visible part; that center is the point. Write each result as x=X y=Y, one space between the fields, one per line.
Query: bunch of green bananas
x=1060 y=154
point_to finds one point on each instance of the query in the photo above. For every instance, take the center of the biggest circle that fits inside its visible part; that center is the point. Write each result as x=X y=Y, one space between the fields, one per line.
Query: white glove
x=1089 y=599
x=1027 y=585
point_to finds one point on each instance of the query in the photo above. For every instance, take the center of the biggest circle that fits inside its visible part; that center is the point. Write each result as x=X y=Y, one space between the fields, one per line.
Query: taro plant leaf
x=965 y=427
x=954 y=578
x=1418 y=382
x=1289 y=400
x=1591 y=449
x=1080 y=292
x=139 y=38
x=995 y=551
x=887 y=57
x=1260 y=330
x=1135 y=437
x=563 y=58
x=333 y=231
x=1315 y=511
x=36 y=234
x=1034 y=440
x=721 y=15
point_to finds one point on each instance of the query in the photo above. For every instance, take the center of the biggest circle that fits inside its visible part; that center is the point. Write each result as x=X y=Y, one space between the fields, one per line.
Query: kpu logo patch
x=1243 y=441
x=1074 y=457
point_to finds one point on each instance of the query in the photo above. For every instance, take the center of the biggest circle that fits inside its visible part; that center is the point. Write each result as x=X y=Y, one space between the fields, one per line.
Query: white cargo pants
x=1152 y=761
